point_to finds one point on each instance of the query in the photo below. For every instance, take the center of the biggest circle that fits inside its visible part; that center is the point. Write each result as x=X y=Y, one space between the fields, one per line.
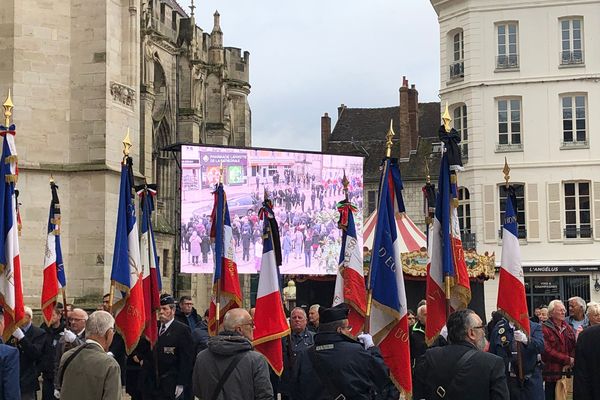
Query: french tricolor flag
x=511 y=288
x=350 y=281
x=269 y=317
x=53 y=261
x=126 y=275
x=11 y=286
x=389 y=318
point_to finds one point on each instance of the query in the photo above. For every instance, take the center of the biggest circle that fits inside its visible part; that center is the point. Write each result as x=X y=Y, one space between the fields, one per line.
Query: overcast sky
x=307 y=57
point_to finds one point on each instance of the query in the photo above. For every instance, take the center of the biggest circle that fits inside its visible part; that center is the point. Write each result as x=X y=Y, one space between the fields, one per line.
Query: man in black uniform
x=337 y=366
x=167 y=368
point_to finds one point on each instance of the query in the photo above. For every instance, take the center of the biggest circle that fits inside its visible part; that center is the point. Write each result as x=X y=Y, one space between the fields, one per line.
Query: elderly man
x=299 y=340
x=593 y=313
x=559 y=347
x=338 y=366
x=167 y=368
x=313 y=317
x=31 y=342
x=577 y=318
x=230 y=368
x=73 y=337
x=417 y=335
x=87 y=372
x=461 y=370
x=9 y=365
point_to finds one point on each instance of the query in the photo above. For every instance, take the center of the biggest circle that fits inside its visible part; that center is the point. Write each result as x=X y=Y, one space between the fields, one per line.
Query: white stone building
x=522 y=80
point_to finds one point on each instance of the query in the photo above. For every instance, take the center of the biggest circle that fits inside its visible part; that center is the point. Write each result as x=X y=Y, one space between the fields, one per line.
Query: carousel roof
x=411 y=237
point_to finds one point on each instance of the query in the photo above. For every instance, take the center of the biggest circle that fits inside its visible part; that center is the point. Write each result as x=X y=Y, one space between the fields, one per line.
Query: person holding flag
x=11 y=287
x=269 y=316
x=388 y=317
x=350 y=281
x=447 y=285
x=226 y=284
x=127 y=293
x=515 y=338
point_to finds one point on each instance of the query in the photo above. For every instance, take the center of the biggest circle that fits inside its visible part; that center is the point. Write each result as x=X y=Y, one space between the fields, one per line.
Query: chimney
x=405 y=138
x=341 y=109
x=325 y=131
x=413 y=116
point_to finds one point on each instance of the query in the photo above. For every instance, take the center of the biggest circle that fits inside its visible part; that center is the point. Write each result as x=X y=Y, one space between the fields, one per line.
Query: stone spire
x=215 y=52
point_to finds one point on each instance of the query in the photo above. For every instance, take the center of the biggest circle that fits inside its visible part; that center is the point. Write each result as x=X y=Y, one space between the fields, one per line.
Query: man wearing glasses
x=337 y=366
x=462 y=369
x=71 y=338
x=229 y=366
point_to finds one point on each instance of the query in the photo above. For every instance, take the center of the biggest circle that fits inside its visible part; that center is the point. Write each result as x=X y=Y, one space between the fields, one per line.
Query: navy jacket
x=31 y=354
x=586 y=385
x=9 y=373
x=352 y=371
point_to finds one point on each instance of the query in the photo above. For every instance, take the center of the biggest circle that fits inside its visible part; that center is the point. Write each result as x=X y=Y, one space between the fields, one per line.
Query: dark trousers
x=550 y=390
x=48 y=389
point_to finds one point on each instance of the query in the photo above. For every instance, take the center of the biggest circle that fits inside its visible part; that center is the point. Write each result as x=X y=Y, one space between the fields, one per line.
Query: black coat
x=31 y=352
x=418 y=345
x=482 y=377
x=351 y=370
x=586 y=384
x=173 y=356
x=200 y=337
x=49 y=358
x=117 y=349
x=195 y=318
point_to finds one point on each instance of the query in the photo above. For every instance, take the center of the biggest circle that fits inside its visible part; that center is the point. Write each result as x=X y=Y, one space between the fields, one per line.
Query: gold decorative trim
x=479 y=266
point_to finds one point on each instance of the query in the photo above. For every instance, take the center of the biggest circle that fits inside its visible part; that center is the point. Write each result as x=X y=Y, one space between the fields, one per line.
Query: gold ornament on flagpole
x=447 y=119
x=388 y=137
x=345 y=183
x=127 y=144
x=8 y=107
x=506 y=171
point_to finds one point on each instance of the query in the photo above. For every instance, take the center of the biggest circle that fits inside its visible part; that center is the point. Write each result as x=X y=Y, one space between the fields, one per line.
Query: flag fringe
x=269 y=338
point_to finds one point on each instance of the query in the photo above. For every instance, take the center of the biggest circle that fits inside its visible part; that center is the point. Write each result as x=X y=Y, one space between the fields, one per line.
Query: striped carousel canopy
x=412 y=237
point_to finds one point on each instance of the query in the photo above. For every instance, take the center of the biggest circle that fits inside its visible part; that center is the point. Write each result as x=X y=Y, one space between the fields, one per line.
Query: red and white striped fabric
x=411 y=237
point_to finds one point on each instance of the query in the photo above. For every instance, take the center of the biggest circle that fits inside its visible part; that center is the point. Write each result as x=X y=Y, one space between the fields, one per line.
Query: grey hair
x=234 y=318
x=421 y=309
x=593 y=308
x=298 y=309
x=99 y=323
x=579 y=301
x=553 y=304
x=314 y=307
x=28 y=311
x=459 y=323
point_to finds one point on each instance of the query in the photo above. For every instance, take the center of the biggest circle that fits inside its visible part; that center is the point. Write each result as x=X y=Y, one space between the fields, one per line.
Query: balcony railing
x=510 y=61
x=521 y=233
x=457 y=70
x=469 y=240
x=571 y=57
x=581 y=232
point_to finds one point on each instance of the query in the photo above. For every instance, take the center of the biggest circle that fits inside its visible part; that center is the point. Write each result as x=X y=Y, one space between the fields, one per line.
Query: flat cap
x=333 y=314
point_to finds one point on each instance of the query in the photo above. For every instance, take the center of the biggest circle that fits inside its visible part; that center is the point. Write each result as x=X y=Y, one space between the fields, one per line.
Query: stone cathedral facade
x=84 y=72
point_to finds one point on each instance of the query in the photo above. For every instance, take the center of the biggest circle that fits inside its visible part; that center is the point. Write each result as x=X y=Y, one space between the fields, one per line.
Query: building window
x=509 y=124
x=573 y=116
x=174 y=20
x=457 y=67
x=571 y=31
x=577 y=210
x=162 y=12
x=371 y=201
x=461 y=126
x=508 y=56
x=519 y=209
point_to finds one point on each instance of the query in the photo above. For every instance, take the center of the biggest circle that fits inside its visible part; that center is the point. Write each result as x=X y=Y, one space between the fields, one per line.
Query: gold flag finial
x=388 y=137
x=127 y=144
x=51 y=178
x=446 y=118
x=506 y=171
x=8 y=106
x=345 y=183
x=221 y=172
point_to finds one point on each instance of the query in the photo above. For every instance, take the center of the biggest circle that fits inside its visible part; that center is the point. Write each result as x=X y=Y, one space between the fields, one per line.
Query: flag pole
x=521 y=374
x=447 y=278
x=388 y=154
x=62 y=289
x=218 y=299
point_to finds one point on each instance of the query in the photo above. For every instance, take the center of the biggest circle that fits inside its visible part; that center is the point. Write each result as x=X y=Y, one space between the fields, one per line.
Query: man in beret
x=167 y=368
x=337 y=366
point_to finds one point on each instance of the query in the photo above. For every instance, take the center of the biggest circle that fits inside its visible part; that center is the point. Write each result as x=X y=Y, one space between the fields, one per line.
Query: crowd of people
x=80 y=356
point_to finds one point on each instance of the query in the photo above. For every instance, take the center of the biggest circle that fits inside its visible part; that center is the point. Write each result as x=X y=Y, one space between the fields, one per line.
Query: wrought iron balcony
x=510 y=61
x=571 y=57
x=457 y=70
x=469 y=240
x=581 y=232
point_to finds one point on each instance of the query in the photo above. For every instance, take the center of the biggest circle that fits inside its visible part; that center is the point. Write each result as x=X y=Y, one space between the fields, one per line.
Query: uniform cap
x=333 y=314
x=166 y=299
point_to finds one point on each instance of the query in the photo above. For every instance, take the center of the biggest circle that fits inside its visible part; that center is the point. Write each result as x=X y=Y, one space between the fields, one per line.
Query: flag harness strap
x=227 y=373
x=440 y=390
x=68 y=361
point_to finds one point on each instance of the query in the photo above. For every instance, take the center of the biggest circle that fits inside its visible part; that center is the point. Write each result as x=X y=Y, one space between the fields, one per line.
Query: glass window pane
x=580 y=124
x=570 y=217
x=565 y=35
x=569 y=189
x=584 y=217
x=515 y=104
x=519 y=190
x=502 y=105
x=584 y=202
x=515 y=116
x=515 y=127
x=512 y=29
x=503 y=139
x=576 y=24
x=567 y=113
x=565 y=24
x=516 y=138
x=570 y=203
x=502 y=127
x=512 y=49
x=580 y=101
x=567 y=102
x=584 y=188
x=581 y=137
x=502 y=116
x=568 y=124
x=568 y=136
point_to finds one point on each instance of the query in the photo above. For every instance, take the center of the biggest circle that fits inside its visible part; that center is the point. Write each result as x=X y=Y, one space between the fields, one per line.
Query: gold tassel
x=10 y=159
x=11 y=178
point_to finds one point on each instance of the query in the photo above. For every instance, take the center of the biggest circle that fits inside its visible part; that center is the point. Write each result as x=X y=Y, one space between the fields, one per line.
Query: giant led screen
x=304 y=187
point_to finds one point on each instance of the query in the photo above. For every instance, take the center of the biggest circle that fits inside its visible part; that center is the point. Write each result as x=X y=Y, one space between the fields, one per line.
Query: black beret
x=333 y=314
x=166 y=299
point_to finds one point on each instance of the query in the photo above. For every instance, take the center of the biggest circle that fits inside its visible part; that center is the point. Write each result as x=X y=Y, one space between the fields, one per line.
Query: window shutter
x=533 y=213
x=554 y=216
x=596 y=210
x=489 y=215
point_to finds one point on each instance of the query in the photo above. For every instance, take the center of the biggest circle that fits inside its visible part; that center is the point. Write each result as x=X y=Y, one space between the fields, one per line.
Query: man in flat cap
x=167 y=368
x=339 y=367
